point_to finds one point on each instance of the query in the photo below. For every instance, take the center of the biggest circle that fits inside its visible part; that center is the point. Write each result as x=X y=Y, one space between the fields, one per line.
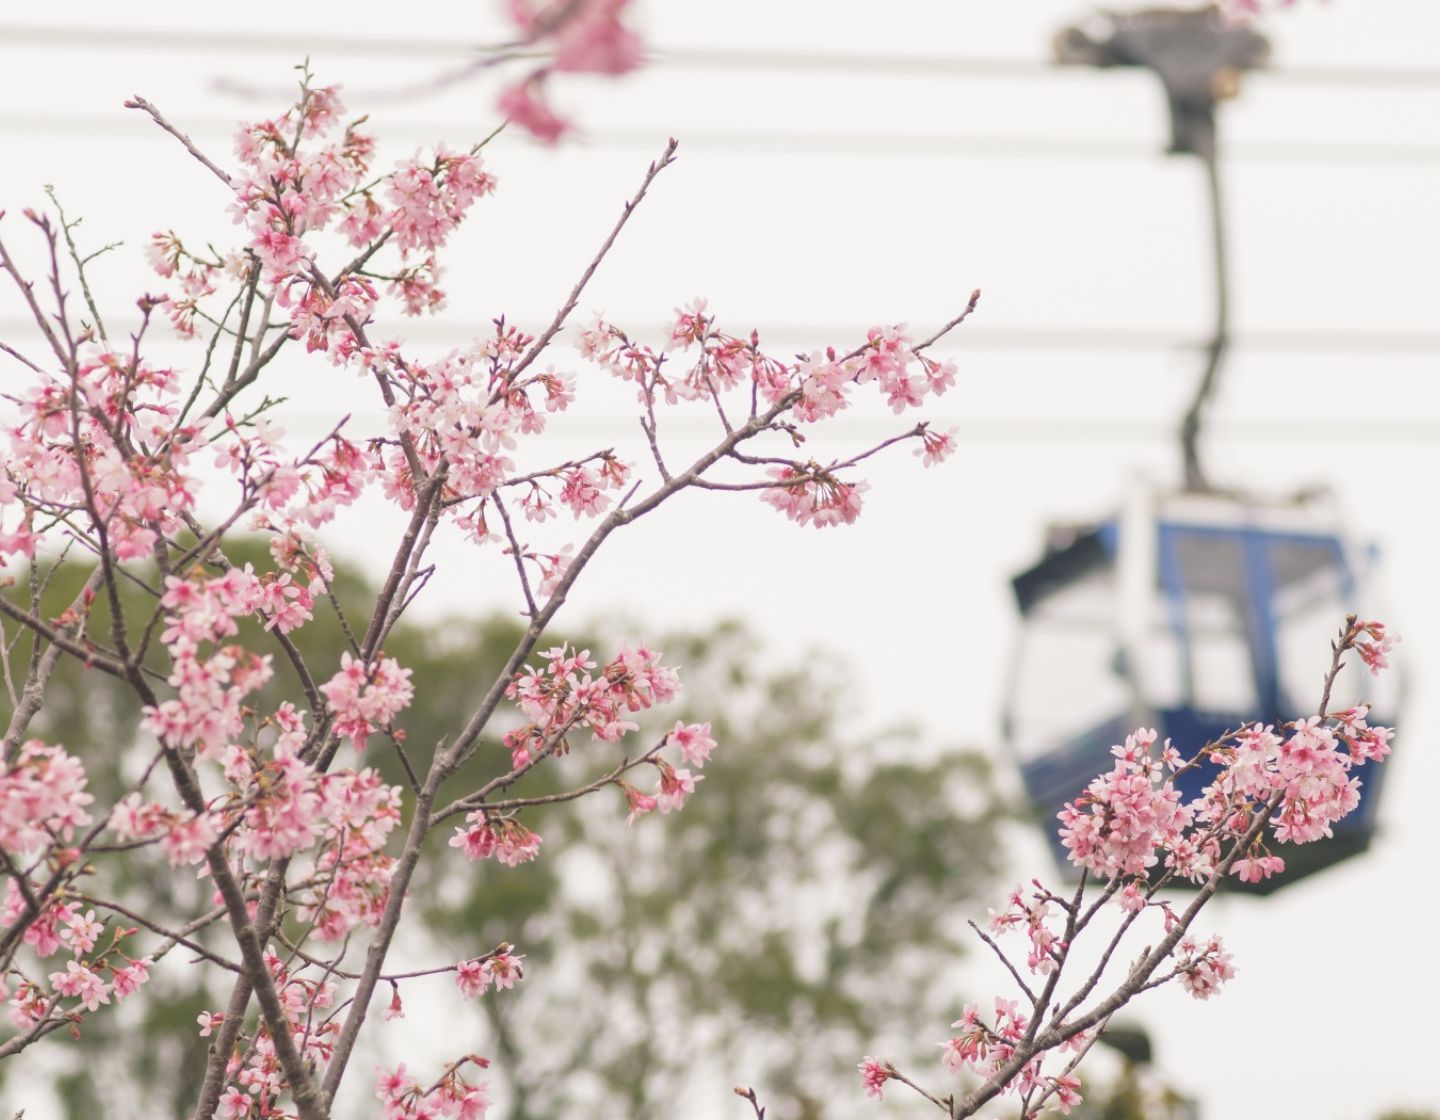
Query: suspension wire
x=710 y=140
x=232 y=41
x=1190 y=424
x=1040 y=338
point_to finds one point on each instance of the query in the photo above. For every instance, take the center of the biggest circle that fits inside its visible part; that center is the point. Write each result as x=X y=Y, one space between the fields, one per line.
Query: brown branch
x=57 y=638
x=951 y=325
x=175 y=937
x=138 y=102
x=19 y=357
x=516 y=553
x=990 y=941
x=477 y=800
x=65 y=228
x=223 y=1044
x=538 y=346
x=27 y=292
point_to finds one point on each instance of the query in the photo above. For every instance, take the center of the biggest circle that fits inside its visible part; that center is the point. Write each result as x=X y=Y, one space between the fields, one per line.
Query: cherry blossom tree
x=306 y=854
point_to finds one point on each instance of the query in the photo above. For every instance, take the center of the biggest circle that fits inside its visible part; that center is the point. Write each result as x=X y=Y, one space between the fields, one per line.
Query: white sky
x=894 y=217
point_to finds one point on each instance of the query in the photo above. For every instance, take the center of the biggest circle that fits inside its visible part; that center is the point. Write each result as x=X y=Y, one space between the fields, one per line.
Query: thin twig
x=65 y=228
x=665 y=160
x=516 y=553
x=138 y=102
x=990 y=941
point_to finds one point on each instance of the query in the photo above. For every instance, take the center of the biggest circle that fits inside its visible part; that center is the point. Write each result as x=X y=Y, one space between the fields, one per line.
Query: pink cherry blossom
x=81 y=933
x=129 y=978
x=1204 y=968
x=504 y=968
x=79 y=982
x=694 y=742
x=506 y=839
x=365 y=698
x=472 y=978
x=235 y=1104
x=936 y=447
x=1067 y=1094
x=42 y=796
x=873 y=1075
x=1374 y=653
x=675 y=787
x=640 y=803
x=1118 y=825
x=189 y=838
x=523 y=106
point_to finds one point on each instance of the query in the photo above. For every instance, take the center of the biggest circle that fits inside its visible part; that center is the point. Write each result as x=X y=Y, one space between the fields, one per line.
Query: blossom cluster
x=463 y=416
x=873 y=1075
x=1305 y=770
x=289 y=189
x=1203 y=967
x=352 y=876
x=820 y=385
x=280 y=806
x=43 y=799
x=210 y=680
x=1301 y=778
x=98 y=968
x=694 y=743
x=301 y=174
x=1375 y=652
x=459 y=417
x=1034 y=915
x=1126 y=816
x=500 y=968
x=367 y=697
x=563 y=694
x=452 y=1097
x=488 y=834
x=810 y=389
x=105 y=437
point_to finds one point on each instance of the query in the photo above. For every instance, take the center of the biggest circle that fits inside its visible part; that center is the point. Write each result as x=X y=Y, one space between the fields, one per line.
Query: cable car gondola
x=1200 y=610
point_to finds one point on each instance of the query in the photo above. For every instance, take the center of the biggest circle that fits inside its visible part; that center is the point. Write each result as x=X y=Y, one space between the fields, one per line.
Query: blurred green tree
x=768 y=934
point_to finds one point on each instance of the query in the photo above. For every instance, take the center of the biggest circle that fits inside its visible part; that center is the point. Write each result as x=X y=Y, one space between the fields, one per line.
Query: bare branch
x=536 y=348
x=138 y=102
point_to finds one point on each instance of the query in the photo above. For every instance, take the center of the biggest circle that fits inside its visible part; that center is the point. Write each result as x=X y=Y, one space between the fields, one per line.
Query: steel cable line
x=1383 y=435
x=783 y=337
x=694 y=58
x=711 y=140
